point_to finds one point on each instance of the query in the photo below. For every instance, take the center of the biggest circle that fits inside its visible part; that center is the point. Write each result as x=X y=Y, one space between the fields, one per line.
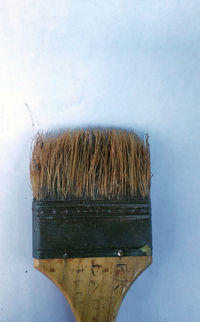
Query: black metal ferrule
x=83 y=228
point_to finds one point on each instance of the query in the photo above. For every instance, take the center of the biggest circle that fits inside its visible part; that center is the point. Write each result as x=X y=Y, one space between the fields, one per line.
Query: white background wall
x=119 y=63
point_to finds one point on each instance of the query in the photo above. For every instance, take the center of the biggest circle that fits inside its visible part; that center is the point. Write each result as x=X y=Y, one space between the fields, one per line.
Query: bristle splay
x=90 y=164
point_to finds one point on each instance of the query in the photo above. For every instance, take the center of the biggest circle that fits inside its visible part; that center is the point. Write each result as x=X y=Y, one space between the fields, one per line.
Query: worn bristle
x=90 y=164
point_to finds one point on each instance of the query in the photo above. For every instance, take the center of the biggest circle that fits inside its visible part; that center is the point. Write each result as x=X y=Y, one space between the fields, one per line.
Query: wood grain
x=94 y=287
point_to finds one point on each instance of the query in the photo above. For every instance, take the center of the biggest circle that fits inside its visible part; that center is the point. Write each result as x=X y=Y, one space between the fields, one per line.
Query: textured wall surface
x=124 y=63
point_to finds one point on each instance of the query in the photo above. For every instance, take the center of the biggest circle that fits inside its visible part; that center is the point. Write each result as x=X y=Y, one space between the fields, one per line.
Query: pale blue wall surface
x=121 y=63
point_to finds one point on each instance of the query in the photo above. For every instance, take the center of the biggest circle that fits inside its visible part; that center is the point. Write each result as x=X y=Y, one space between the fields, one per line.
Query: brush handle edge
x=94 y=287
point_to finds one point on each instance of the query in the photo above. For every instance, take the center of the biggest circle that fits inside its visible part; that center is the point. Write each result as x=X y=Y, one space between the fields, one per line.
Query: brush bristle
x=90 y=164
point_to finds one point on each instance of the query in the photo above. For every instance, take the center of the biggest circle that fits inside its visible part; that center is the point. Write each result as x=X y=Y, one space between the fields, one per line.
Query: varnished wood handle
x=94 y=287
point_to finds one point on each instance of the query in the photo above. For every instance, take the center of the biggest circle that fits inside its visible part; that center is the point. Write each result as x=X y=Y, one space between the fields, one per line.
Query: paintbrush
x=91 y=216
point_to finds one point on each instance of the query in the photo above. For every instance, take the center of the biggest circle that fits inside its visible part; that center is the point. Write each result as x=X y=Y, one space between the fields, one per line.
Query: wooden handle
x=94 y=287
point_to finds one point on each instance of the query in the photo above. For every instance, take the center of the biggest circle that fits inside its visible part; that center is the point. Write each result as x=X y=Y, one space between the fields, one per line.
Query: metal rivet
x=66 y=255
x=120 y=253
